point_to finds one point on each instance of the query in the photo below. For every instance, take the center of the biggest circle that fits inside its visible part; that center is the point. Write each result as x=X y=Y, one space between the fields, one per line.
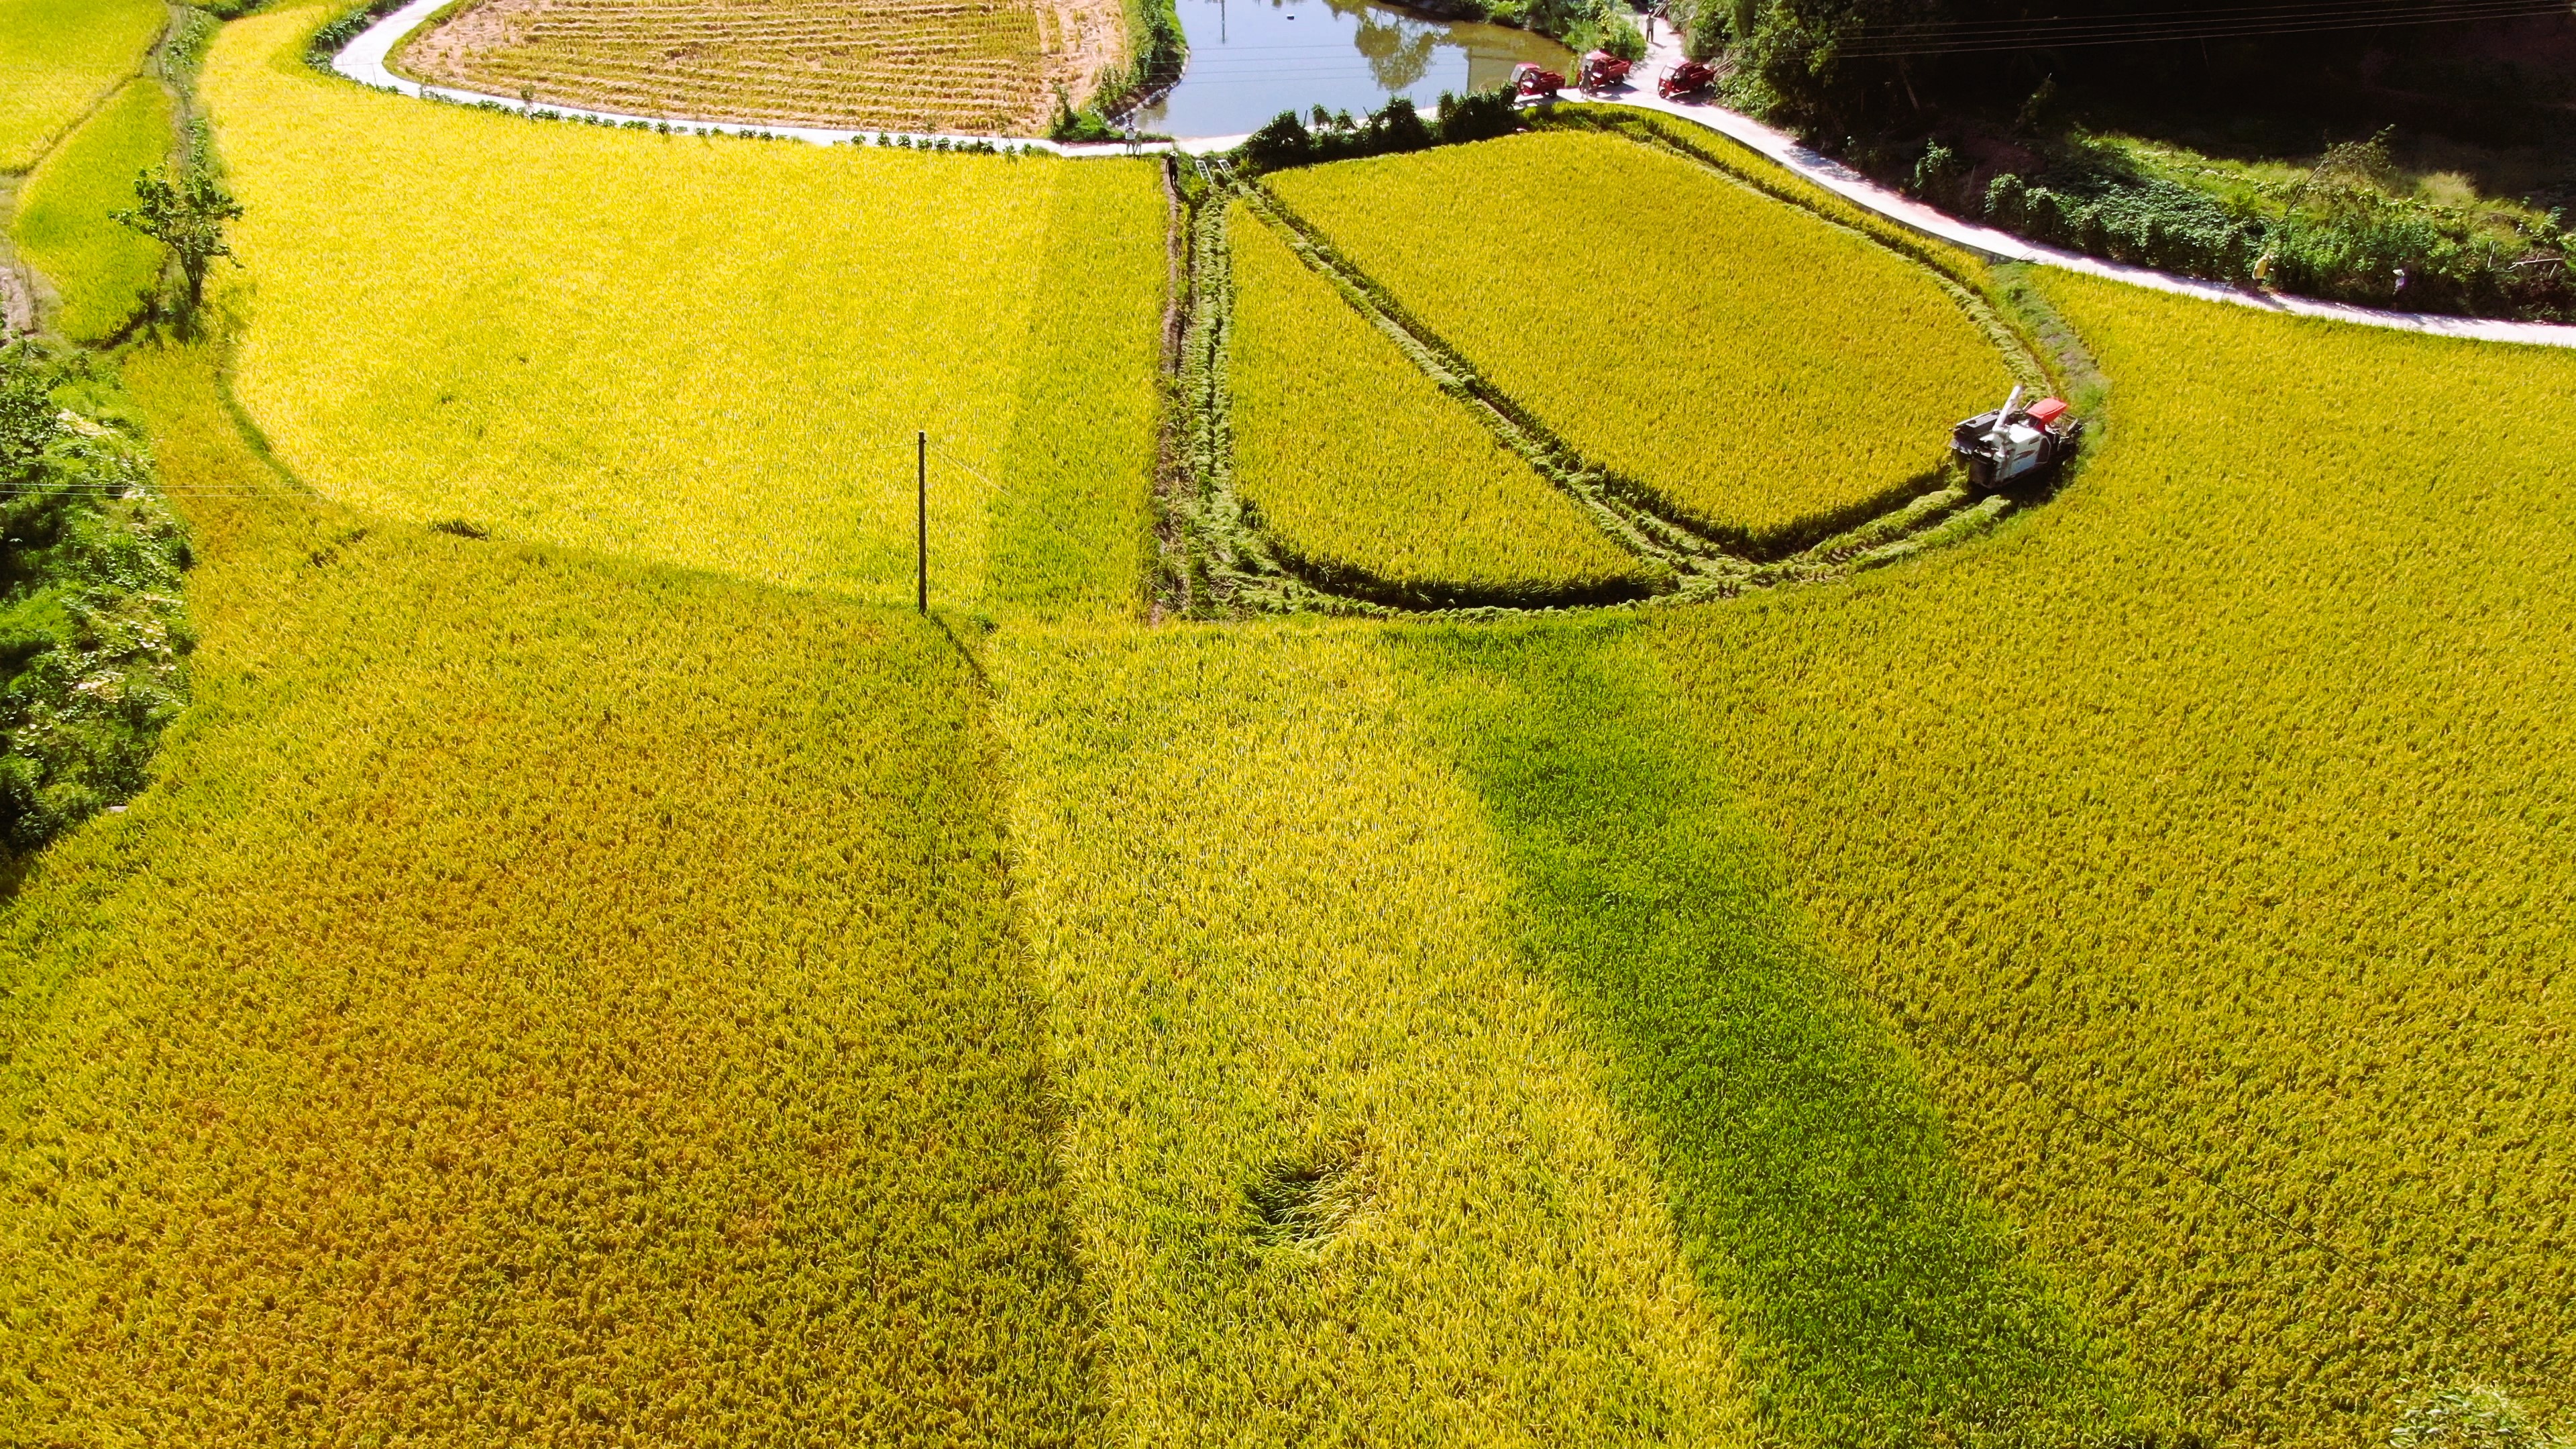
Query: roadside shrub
x=2339 y=235
x=1291 y=141
x=1477 y=116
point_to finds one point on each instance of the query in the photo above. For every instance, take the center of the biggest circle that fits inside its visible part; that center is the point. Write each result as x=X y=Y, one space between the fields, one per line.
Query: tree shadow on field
x=1880 y=1299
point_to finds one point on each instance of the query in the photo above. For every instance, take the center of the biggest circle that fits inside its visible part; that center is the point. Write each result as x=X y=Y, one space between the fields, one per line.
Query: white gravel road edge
x=363 y=60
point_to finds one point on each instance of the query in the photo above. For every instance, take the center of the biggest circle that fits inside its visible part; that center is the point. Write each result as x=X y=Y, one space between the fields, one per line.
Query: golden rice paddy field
x=2204 y=833
x=1360 y=466
x=542 y=998
x=595 y=974
x=58 y=58
x=1652 y=333
x=973 y=66
x=700 y=351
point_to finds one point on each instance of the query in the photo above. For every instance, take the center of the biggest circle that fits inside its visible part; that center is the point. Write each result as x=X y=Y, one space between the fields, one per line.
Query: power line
x=2036 y=39
x=2280 y=10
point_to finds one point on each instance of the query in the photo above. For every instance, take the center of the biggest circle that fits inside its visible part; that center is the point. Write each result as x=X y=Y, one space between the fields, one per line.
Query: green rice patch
x=104 y=270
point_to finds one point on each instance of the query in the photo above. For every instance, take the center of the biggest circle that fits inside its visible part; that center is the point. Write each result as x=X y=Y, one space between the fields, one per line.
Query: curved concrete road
x=363 y=60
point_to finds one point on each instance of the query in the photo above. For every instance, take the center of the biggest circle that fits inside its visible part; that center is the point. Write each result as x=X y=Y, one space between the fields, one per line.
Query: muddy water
x=1252 y=59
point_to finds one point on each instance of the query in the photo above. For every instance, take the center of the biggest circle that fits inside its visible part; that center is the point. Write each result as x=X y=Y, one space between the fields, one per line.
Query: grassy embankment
x=103 y=271
x=722 y=369
x=57 y=57
x=1357 y=462
x=1811 y=373
x=2204 y=834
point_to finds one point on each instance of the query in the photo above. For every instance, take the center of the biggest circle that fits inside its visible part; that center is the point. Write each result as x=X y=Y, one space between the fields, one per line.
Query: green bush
x=91 y=633
x=2339 y=235
x=1289 y=141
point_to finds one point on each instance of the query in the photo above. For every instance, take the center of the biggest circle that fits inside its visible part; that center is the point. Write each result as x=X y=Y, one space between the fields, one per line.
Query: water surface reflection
x=1252 y=59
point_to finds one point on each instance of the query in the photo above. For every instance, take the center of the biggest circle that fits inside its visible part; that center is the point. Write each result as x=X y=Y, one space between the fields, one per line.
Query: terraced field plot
x=1765 y=374
x=708 y=352
x=544 y=997
x=100 y=269
x=1360 y=465
x=946 y=65
x=57 y=58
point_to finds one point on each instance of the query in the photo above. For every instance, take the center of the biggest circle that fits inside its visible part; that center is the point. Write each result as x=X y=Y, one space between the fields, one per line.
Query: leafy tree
x=187 y=214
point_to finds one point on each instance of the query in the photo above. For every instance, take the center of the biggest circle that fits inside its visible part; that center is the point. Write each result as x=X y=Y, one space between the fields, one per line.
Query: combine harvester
x=2016 y=442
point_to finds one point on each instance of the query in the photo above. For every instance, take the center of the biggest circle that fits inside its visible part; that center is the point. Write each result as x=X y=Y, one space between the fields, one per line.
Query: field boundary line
x=1896 y=521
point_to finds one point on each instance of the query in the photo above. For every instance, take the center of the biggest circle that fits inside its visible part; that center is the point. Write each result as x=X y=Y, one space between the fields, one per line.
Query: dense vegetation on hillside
x=93 y=634
x=2230 y=142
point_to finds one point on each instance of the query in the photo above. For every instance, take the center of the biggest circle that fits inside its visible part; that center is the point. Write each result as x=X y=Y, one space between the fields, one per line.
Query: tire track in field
x=1219 y=562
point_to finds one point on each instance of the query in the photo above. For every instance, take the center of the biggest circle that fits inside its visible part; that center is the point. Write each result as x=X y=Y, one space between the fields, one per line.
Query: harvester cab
x=2015 y=441
x=1600 y=71
x=1536 y=81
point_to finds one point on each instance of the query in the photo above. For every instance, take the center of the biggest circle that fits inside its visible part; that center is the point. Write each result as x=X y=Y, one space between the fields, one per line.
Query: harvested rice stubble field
x=707 y=352
x=2207 y=833
x=1806 y=374
x=542 y=999
x=1358 y=463
x=57 y=58
x=975 y=66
